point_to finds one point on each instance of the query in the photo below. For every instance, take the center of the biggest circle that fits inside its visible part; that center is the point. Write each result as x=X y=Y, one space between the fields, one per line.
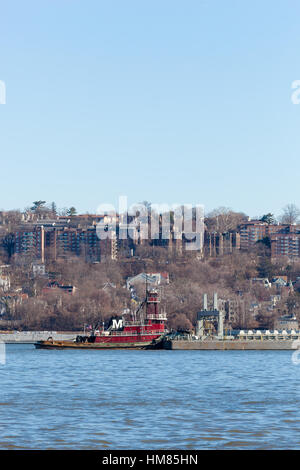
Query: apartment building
x=285 y=244
x=41 y=242
x=218 y=244
x=30 y=241
x=251 y=232
x=254 y=230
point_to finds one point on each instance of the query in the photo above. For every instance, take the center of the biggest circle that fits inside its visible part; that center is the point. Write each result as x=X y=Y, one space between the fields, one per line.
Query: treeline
x=101 y=291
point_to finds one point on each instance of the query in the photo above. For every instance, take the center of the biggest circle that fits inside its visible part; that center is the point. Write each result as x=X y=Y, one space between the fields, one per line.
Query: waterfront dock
x=31 y=337
x=243 y=340
x=223 y=345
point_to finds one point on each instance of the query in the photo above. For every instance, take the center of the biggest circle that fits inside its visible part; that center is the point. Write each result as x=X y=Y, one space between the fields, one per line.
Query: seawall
x=33 y=336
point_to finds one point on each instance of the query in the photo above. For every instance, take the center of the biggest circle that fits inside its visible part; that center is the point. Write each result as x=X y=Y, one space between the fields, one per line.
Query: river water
x=64 y=399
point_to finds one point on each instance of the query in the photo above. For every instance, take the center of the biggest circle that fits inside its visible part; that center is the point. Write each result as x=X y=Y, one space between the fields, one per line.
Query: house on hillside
x=4 y=283
x=286 y=322
x=152 y=279
x=4 y=278
x=54 y=286
x=38 y=269
x=109 y=286
x=261 y=281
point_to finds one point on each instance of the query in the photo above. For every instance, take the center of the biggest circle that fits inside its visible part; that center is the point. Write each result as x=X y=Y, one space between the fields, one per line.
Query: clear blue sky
x=167 y=101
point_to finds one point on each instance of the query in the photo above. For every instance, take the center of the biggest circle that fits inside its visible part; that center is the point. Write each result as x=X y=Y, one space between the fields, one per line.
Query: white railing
x=128 y=333
x=159 y=316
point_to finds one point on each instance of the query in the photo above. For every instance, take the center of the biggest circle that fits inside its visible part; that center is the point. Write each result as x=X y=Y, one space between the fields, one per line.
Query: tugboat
x=142 y=329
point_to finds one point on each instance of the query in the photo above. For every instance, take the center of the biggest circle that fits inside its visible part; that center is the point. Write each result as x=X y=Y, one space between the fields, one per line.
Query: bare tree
x=223 y=219
x=290 y=214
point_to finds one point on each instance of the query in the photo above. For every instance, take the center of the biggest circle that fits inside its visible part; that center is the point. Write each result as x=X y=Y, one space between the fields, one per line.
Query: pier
x=210 y=335
x=28 y=337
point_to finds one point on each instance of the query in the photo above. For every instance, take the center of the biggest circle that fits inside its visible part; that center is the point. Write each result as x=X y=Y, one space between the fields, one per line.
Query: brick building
x=30 y=241
x=42 y=243
x=285 y=244
x=280 y=236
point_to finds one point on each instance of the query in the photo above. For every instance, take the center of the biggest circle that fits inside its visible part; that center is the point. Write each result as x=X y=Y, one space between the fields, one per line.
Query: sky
x=175 y=102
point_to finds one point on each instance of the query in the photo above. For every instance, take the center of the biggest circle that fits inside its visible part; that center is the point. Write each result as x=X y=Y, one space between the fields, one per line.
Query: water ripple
x=149 y=399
